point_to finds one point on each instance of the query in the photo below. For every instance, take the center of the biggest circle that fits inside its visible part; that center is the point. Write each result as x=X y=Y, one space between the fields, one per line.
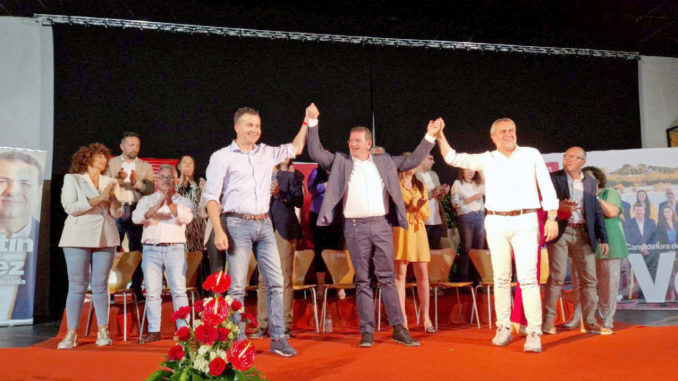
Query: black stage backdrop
x=179 y=92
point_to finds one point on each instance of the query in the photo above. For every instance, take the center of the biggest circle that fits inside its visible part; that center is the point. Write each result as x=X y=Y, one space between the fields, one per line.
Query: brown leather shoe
x=150 y=338
x=596 y=329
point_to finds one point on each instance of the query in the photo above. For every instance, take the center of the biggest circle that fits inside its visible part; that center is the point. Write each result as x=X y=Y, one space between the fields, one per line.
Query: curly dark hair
x=84 y=156
x=598 y=174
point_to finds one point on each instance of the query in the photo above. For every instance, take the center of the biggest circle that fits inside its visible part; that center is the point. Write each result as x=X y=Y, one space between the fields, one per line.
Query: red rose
x=217 y=282
x=183 y=334
x=223 y=333
x=205 y=334
x=176 y=353
x=215 y=312
x=236 y=305
x=217 y=366
x=181 y=313
x=241 y=355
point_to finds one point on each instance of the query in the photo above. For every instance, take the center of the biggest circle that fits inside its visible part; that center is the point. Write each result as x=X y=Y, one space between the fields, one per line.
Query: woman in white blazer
x=89 y=237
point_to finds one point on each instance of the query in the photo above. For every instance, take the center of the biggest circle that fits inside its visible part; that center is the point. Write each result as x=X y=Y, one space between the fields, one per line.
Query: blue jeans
x=472 y=236
x=245 y=237
x=79 y=262
x=173 y=259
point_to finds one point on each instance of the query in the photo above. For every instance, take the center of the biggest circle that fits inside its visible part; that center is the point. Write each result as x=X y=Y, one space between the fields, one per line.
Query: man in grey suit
x=364 y=188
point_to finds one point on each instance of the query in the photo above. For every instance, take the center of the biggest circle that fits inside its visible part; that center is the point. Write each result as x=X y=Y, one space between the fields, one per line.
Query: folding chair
x=438 y=272
x=302 y=262
x=340 y=267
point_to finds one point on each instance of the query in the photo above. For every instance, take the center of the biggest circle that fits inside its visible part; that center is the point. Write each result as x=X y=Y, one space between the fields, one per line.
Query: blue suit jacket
x=632 y=232
x=593 y=213
x=291 y=195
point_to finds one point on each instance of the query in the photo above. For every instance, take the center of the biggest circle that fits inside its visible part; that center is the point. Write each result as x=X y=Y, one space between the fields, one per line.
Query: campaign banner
x=647 y=180
x=21 y=177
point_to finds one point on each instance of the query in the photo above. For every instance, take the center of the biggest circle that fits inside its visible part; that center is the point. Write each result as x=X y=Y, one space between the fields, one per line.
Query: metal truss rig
x=48 y=20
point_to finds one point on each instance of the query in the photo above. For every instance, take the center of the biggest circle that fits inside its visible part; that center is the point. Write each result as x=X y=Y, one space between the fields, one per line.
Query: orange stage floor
x=455 y=353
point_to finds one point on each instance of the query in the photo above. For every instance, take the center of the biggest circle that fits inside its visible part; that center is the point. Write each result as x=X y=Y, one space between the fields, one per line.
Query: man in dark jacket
x=581 y=227
x=287 y=193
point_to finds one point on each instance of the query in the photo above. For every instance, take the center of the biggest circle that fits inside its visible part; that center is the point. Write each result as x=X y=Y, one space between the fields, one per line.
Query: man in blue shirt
x=241 y=175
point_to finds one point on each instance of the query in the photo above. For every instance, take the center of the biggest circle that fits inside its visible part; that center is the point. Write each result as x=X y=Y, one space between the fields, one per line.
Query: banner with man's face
x=21 y=177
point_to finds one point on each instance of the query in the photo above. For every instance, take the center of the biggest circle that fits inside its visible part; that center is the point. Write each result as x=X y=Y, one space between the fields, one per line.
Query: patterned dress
x=195 y=231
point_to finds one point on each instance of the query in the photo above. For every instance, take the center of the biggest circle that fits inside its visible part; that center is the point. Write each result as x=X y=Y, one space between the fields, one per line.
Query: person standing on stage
x=164 y=215
x=467 y=197
x=89 y=238
x=287 y=193
x=135 y=177
x=581 y=224
x=241 y=174
x=514 y=178
x=364 y=188
x=436 y=224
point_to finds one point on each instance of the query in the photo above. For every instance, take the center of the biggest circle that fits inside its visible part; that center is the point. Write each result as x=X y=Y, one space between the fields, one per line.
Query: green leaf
x=159 y=375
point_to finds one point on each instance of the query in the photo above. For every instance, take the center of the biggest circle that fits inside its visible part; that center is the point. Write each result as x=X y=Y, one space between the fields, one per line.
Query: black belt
x=576 y=226
x=512 y=213
x=249 y=217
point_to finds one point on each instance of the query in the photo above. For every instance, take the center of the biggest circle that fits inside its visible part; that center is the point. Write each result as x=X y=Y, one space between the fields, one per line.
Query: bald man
x=581 y=226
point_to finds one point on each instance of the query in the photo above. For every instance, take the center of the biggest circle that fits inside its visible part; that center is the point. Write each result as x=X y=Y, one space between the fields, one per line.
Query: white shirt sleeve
x=549 y=200
x=464 y=160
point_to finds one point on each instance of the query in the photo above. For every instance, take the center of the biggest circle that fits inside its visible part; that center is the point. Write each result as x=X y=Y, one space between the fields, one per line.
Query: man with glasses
x=164 y=215
x=581 y=225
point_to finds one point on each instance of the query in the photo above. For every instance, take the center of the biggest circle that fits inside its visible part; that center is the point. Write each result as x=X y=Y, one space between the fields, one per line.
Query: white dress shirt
x=163 y=227
x=512 y=182
x=127 y=193
x=577 y=195
x=366 y=195
x=427 y=179
x=462 y=191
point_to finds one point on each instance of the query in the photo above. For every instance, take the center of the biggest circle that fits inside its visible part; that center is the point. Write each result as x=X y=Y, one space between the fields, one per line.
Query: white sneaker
x=532 y=343
x=503 y=337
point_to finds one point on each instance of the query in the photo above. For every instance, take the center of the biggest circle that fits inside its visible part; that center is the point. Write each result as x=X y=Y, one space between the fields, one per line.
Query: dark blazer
x=593 y=213
x=632 y=232
x=291 y=195
x=25 y=296
x=340 y=166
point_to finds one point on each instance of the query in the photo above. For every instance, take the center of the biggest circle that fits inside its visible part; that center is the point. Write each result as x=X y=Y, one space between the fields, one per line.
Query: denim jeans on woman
x=79 y=262
x=472 y=236
x=245 y=237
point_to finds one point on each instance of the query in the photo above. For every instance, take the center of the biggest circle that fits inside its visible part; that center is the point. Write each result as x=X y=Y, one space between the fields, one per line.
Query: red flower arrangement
x=208 y=349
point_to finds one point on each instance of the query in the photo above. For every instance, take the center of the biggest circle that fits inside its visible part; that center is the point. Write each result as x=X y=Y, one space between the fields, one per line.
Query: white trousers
x=507 y=235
